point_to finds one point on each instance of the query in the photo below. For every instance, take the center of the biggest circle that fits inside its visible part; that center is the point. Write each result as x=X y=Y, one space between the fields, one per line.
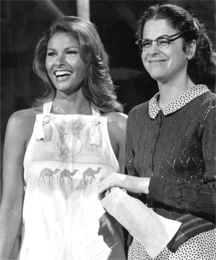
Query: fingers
x=113 y=180
x=103 y=191
x=104 y=186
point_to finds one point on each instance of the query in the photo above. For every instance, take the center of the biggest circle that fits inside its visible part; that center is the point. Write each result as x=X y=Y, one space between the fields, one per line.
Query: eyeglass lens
x=162 y=41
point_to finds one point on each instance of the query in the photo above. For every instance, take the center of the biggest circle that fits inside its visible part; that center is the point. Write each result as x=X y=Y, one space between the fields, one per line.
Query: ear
x=191 y=49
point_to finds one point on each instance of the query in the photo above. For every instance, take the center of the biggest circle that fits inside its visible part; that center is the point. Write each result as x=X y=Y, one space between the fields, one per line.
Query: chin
x=157 y=77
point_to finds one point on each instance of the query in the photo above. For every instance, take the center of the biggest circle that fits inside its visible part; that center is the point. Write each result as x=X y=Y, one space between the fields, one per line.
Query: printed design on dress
x=41 y=122
x=47 y=174
x=46 y=120
x=48 y=130
x=67 y=174
x=90 y=173
x=94 y=132
x=68 y=136
x=69 y=143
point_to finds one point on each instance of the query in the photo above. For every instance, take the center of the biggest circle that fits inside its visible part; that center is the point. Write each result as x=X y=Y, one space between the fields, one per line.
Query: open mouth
x=61 y=75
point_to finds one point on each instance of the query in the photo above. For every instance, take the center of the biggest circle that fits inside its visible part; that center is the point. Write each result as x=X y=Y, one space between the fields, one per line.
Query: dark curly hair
x=202 y=67
x=98 y=88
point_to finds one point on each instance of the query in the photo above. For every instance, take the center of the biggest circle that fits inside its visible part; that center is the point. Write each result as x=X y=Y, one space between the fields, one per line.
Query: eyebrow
x=161 y=36
x=72 y=47
x=67 y=48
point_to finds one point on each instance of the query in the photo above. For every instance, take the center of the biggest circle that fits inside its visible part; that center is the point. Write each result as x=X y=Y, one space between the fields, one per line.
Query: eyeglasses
x=162 y=41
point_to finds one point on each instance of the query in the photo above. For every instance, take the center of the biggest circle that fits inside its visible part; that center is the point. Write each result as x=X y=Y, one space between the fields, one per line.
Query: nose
x=60 y=59
x=154 y=49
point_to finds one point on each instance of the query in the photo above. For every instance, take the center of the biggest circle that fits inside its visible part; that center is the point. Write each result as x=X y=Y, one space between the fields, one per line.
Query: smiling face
x=63 y=63
x=163 y=64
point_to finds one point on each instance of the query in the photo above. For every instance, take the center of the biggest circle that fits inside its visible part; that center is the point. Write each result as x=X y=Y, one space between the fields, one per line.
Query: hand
x=129 y=183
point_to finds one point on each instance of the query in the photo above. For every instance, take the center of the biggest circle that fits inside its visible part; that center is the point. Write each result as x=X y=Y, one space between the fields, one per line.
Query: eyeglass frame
x=167 y=37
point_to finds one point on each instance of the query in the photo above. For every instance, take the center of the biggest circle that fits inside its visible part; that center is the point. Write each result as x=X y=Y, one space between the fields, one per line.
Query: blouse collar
x=178 y=103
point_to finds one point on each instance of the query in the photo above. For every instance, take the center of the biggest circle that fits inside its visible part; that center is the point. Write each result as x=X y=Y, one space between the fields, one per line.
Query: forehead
x=63 y=39
x=155 y=28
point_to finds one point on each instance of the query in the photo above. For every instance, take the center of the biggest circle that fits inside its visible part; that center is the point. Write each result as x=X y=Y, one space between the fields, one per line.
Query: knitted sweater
x=176 y=148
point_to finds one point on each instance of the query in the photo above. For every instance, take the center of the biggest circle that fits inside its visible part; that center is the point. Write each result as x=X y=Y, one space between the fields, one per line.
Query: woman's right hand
x=129 y=183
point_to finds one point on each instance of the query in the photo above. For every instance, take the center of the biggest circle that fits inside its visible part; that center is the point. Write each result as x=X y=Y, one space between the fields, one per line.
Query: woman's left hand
x=129 y=183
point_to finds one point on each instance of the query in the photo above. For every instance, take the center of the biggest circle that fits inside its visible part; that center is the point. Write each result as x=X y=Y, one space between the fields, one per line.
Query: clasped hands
x=129 y=183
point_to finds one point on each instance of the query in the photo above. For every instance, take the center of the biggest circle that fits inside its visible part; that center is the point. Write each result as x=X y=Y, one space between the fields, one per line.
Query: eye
x=51 y=53
x=163 y=42
x=146 y=44
x=72 y=52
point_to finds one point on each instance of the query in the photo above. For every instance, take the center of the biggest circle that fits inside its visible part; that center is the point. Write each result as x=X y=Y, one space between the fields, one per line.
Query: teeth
x=63 y=72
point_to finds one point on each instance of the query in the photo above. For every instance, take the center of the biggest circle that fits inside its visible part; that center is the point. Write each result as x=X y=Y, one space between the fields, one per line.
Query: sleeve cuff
x=156 y=189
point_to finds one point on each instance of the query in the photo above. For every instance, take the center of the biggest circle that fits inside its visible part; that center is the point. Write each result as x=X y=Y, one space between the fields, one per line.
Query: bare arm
x=117 y=131
x=122 y=122
x=130 y=183
x=13 y=185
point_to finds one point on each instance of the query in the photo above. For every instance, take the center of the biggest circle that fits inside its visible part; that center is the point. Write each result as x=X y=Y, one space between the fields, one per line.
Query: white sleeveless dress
x=63 y=218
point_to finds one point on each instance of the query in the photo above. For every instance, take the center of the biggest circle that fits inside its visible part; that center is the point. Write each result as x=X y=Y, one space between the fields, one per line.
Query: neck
x=75 y=103
x=170 y=92
x=71 y=107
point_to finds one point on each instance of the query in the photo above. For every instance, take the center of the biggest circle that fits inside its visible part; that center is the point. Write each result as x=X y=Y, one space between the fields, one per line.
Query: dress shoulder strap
x=47 y=107
x=95 y=112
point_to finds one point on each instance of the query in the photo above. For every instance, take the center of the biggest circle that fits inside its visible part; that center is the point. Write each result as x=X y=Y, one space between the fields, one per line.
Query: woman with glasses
x=171 y=139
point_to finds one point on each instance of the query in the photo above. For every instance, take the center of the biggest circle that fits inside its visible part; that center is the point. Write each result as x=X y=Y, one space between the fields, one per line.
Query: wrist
x=144 y=185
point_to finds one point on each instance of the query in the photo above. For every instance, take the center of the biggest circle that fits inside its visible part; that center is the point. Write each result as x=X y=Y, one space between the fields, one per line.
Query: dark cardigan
x=178 y=152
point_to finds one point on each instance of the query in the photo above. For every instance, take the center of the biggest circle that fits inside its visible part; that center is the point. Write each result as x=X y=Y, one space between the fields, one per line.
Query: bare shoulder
x=23 y=118
x=21 y=123
x=119 y=118
x=117 y=132
x=117 y=127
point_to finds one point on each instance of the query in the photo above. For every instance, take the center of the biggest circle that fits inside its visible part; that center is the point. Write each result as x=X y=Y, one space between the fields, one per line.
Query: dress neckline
x=48 y=106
